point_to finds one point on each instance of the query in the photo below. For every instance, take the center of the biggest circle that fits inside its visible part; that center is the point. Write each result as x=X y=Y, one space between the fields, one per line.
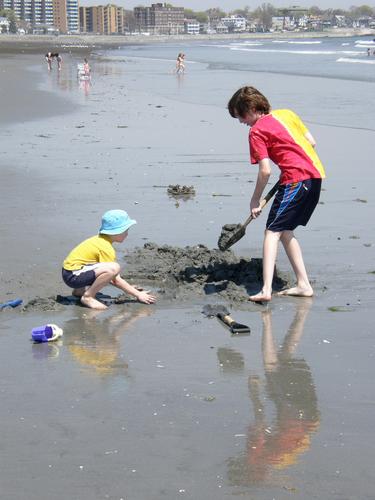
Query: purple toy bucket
x=46 y=333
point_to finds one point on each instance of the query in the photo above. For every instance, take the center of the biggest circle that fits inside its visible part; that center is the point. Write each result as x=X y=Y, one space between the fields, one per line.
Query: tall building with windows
x=103 y=19
x=72 y=15
x=35 y=12
x=160 y=19
x=66 y=15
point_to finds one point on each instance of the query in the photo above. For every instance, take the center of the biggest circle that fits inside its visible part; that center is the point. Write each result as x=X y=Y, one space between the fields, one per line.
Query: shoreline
x=24 y=79
x=85 y=43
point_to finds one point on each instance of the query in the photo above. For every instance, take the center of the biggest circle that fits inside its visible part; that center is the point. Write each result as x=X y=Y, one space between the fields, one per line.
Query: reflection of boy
x=290 y=387
x=92 y=265
x=282 y=137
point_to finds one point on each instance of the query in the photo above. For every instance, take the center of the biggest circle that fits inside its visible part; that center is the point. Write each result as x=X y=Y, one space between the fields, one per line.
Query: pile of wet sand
x=177 y=190
x=185 y=274
x=195 y=271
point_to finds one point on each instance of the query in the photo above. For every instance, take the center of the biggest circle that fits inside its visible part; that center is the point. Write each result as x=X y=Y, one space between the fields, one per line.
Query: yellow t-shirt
x=91 y=251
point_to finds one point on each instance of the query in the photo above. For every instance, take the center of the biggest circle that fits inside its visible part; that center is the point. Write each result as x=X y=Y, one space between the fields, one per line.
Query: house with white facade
x=235 y=23
x=192 y=26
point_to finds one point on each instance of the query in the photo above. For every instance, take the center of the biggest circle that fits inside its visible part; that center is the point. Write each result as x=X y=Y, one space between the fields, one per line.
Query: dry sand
x=158 y=402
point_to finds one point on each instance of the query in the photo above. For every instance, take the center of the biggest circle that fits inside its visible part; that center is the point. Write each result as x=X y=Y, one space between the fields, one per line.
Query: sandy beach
x=161 y=402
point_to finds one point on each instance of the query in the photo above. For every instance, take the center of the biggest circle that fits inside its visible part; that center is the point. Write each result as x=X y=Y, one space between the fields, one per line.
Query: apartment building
x=35 y=12
x=160 y=19
x=66 y=15
x=103 y=19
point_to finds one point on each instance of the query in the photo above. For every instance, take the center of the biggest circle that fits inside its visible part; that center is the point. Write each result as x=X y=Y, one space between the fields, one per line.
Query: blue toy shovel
x=11 y=303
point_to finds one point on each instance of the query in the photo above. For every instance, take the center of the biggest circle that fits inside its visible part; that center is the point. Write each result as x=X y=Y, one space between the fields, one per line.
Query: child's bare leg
x=271 y=241
x=294 y=253
x=78 y=292
x=105 y=273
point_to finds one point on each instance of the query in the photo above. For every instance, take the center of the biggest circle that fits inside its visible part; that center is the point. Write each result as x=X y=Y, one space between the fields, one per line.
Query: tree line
x=267 y=8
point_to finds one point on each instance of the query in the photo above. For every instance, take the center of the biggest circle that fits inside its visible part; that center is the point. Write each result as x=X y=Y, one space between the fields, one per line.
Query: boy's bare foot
x=92 y=303
x=297 y=291
x=260 y=297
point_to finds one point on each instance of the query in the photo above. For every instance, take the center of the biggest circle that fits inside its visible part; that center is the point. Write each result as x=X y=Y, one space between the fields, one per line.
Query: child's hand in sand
x=146 y=297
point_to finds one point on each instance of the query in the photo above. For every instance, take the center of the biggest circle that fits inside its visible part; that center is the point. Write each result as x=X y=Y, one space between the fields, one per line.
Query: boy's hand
x=146 y=297
x=255 y=208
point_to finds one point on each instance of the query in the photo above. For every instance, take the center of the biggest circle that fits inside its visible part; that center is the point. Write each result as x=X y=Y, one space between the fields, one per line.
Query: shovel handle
x=225 y=318
x=264 y=202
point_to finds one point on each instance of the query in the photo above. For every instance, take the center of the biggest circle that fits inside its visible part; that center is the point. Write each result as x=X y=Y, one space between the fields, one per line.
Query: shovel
x=223 y=315
x=234 y=327
x=232 y=233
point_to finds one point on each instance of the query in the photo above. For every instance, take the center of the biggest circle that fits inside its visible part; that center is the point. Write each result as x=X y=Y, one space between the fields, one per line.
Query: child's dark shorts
x=80 y=278
x=293 y=205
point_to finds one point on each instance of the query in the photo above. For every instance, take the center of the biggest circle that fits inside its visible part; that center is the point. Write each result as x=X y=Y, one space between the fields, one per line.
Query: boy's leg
x=294 y=253
x=104 y=272
x=270 y=245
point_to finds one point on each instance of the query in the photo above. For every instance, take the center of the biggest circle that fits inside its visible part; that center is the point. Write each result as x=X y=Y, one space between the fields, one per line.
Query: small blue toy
x=11 y=303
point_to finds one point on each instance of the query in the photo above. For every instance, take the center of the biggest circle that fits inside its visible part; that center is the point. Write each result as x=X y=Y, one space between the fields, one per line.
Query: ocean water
x=328 y=80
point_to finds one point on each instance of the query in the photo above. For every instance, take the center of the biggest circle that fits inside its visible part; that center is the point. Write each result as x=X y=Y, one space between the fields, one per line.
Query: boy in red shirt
x=280 y=136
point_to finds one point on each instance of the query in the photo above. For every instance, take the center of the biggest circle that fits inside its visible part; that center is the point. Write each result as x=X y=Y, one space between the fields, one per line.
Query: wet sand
x=149 y=402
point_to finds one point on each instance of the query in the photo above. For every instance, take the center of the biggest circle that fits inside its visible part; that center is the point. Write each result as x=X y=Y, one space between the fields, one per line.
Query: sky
x=229 y=5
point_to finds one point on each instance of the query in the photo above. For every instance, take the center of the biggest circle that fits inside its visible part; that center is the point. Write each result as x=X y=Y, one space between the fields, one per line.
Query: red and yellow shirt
x=281 y=137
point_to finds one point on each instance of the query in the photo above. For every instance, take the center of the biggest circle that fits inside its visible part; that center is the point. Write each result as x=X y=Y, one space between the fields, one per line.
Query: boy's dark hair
x=247 y=99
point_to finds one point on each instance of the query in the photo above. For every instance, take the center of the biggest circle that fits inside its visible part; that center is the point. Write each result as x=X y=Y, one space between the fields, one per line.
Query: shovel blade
x=238 y=329
x=226 y=239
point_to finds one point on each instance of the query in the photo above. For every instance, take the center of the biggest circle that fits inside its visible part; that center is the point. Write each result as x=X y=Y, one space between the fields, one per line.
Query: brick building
x=160 y=19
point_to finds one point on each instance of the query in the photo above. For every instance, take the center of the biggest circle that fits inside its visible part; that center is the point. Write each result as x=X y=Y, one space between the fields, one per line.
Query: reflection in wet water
x=66 y=79
x=46 y=349
x=94 y=339
x=85 y=86
x=180 y=80
x=276 y=439
x=230 y=360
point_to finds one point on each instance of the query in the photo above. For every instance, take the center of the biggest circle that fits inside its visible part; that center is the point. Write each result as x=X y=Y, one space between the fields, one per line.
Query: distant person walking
x=180 y=63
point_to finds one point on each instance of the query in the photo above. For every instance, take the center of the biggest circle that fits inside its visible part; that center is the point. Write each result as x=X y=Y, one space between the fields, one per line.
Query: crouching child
x=92 y=264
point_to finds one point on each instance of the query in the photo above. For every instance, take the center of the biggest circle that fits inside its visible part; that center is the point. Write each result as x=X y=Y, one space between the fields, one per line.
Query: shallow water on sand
x=158 y=403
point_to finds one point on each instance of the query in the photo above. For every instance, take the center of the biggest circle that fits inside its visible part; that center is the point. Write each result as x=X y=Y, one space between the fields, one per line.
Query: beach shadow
x=218 y=276
x=72 y=300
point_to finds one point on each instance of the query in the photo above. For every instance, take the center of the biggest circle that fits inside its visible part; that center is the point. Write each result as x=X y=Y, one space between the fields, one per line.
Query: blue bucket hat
x=116 y=222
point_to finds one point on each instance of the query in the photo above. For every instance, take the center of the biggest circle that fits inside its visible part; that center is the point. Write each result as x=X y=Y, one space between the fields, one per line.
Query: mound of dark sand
x=196 y=271
x=42 y=304
x=177 y=190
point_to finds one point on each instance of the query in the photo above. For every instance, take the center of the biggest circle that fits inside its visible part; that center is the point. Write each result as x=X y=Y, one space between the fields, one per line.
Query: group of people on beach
x=279 y=136
x=83 y=69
